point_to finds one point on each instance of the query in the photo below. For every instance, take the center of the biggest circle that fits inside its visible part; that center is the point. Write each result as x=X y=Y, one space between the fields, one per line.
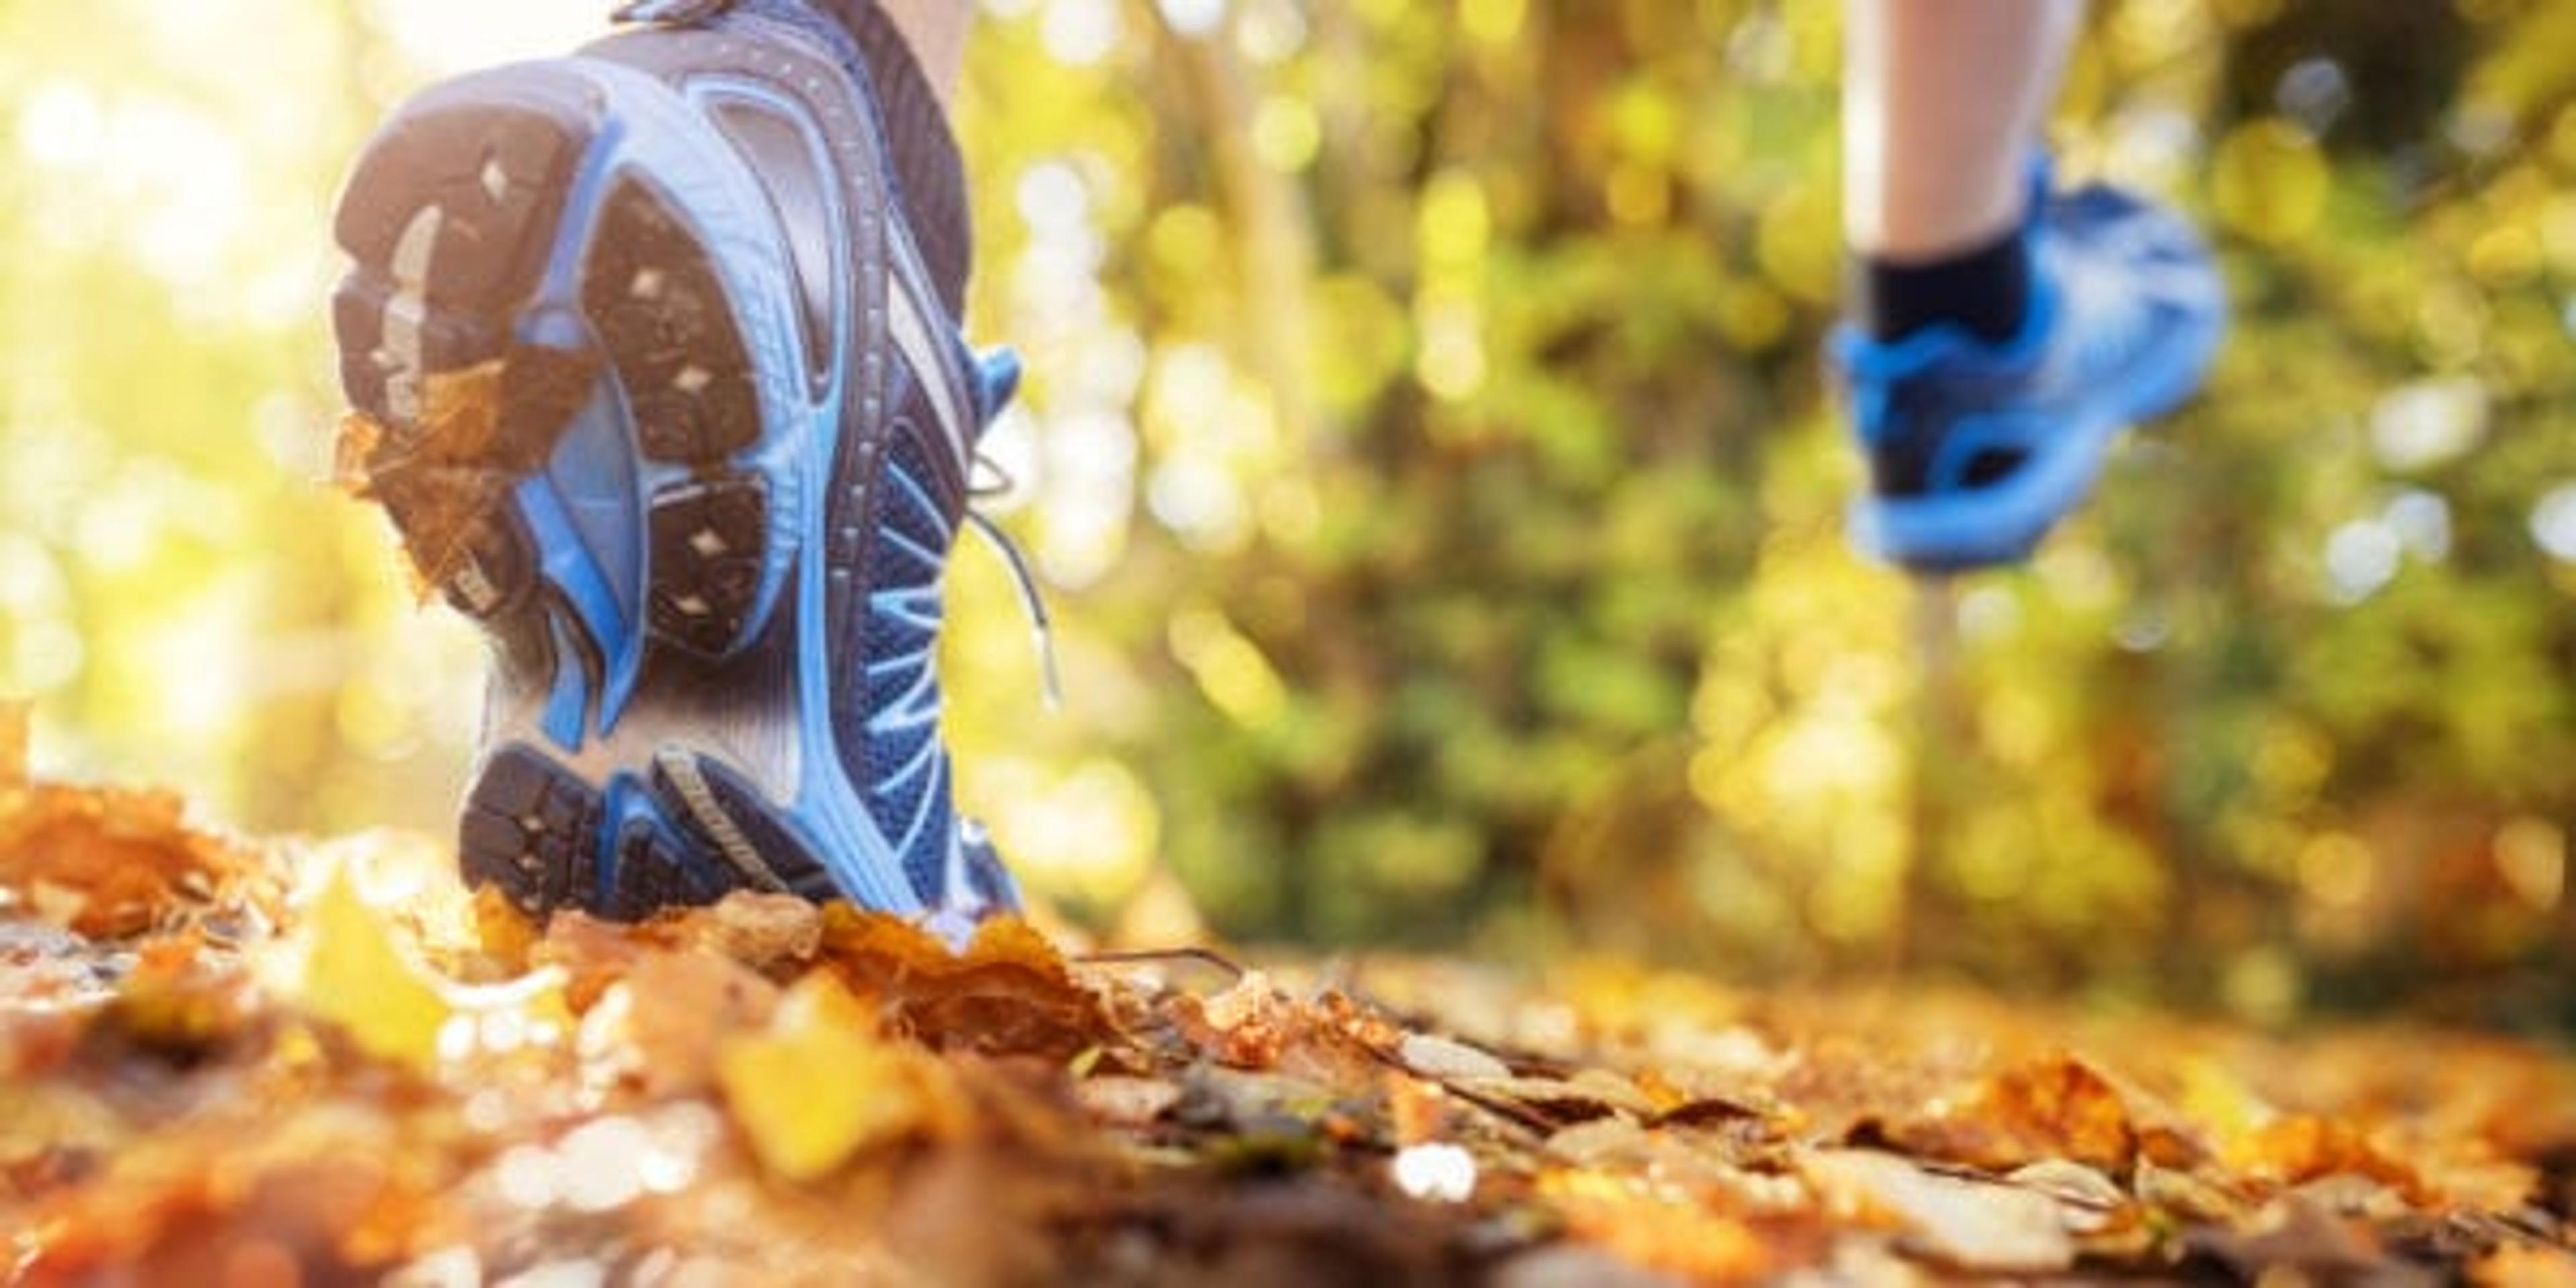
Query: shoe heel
x=531 y=827
x=450 y=219
x=550 y=840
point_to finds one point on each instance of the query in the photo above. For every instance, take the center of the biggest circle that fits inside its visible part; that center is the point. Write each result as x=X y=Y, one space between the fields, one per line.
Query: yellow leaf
x=819 y=1086
x=355 y=977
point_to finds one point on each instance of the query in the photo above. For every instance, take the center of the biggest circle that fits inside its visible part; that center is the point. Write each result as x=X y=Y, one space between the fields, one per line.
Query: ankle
x=929 y=174
x=1982 y=289
x=935 y=32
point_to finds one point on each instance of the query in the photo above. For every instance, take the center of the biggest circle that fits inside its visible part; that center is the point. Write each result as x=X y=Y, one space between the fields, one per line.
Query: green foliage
x=1424 y=436
x=1541 y=539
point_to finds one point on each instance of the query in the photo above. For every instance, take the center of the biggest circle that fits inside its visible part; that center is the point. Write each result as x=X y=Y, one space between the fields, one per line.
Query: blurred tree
x=1522 y=576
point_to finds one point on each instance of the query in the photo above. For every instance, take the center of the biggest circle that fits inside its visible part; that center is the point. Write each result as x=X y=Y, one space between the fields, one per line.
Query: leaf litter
x=225 y=1061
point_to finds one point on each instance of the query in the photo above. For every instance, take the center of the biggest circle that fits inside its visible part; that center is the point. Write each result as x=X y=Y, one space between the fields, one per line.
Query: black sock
x=929 y=175
x=1984 y=290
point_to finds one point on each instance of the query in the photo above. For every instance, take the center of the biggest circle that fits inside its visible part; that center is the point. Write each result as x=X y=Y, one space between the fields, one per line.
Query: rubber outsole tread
x=707 y=541
x=452 y=218
x=653 y=875
x=495 y=153
x=531 y=828
x=664 y=318
x=449 y=217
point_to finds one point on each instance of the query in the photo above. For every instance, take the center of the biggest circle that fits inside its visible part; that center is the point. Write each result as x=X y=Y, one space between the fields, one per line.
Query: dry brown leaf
x=1126 y=1101
x=1419 y=1111
x=359 y=438
x=2059 y=1107
x=662 y=1025
x=1646 y=1226
x=505 y=933
x=2525 y=1266
x=1977 y=1226
x=763 y=931
x=2293 y=1234
x=1246 y=1026
x=14 y=717
x=2090 y=1203
x=1104 y=1136
x=2305 y=1147
x=461 y=413
x=110 y=863
x=1432 y=1056
x=1010 y=993
x=175 y=1001
x=1600 y=1143
x=1557 y=1100
x=593 y=954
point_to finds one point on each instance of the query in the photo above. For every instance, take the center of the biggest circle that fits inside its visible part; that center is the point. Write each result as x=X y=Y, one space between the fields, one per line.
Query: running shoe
x=654 y=363
x=1977 y=449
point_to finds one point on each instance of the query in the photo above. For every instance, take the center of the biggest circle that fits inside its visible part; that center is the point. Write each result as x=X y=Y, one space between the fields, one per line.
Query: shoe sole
x=502 y=280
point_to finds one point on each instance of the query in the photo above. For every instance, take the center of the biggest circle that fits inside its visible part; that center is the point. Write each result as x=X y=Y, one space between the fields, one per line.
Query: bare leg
x=1942 y=100
x=936 y=32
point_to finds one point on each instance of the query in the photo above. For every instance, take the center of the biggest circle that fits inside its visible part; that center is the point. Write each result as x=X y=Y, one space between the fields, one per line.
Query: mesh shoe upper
x=1975 y=449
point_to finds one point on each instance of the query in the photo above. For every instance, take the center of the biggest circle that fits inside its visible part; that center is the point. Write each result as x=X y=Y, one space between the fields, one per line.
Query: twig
x=1164 y=956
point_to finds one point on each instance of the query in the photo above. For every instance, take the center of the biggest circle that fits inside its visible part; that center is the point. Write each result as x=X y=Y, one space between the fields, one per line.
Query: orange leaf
x=1008 y=993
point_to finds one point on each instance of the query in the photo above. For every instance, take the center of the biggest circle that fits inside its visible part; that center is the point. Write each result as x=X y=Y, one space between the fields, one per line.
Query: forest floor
x=233 y=1062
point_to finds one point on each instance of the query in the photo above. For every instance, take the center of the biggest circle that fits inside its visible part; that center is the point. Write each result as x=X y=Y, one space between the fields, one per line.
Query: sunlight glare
x=453 y=35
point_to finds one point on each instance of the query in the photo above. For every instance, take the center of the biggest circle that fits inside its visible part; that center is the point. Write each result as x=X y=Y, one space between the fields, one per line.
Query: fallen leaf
x=1438 y=1057
x=2525 y=1266
x=174 y=1002
x=1647 y=1226
x=110 y=863
x=2295 y=1234
x=661 y=1026
x=1567 y=1265
x=2305 y=1147
x=1976 y=1226
x=1010 y=993
x=593 y=954
x=1246 y=1026
x=2186 y=1196
x=1613 y=1090
x=504 y=932
x=2060 y=1107
x=13 y=745
x=1705 y=1111
x=763 y=931
x=1125 y=1101
x=820 y=1085
x=1600 y=1143
x=2093 y=1203
x=353 y=976
x=1555 y=1100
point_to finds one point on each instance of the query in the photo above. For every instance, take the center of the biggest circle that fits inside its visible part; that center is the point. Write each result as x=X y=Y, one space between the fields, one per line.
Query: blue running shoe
x=1976 y=449
x=654 y=364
